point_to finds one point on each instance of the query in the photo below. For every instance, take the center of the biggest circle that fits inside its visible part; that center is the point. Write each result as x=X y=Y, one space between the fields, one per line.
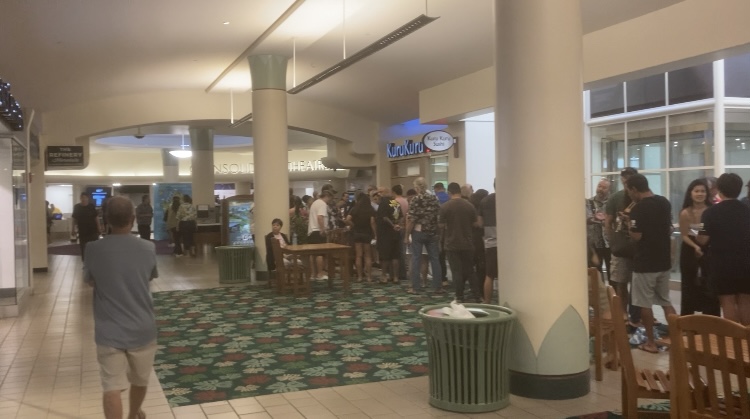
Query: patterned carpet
x=654 y=407
x=234 y=342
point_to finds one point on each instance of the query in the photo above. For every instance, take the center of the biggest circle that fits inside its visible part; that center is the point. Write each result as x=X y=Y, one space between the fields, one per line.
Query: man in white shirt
x=318 y=225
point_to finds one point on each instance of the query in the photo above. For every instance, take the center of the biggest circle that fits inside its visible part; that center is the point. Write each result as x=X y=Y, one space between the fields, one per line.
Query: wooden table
x=332 y=250
x=714 y=348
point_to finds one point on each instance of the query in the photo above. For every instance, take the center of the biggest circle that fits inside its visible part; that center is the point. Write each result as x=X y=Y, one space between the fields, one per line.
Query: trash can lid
x=481 y=312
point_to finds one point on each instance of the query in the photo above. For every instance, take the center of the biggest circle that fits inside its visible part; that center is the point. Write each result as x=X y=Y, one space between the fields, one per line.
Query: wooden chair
x=600 y=327
x=715 y=349
x=289 y=278
x=637 y=383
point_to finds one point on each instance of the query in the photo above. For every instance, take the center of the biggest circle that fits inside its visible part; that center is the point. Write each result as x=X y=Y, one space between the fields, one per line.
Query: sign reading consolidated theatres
x=432 y=141
x=64 y=157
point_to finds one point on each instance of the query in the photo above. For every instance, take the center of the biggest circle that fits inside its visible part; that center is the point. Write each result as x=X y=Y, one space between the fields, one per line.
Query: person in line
x=439 y=189
x=172 y=225
x=398 y=195
x=298 y=215
x=696 y=295
x=422 y=231
x=48 y=211
x=361 y=219
x=457 y=218
x=440 y=194
x=144 y=214
x=317 y=229
x=467 y=190
x=389 y=221
x=745 y=200
x=595 y=216
x=650 y=223
x=487 y=219
x=187 y=224
x=124 y=321
x=726 y=230
x=283 y=239
x=713 y=189
x=86 y=223
x=617 y=207
x=477 y=239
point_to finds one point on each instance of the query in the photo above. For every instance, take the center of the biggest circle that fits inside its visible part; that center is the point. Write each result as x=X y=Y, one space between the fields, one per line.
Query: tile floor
x=48 y=366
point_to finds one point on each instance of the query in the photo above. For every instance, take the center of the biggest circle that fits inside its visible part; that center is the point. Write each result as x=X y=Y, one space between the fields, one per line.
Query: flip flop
x=645 y=348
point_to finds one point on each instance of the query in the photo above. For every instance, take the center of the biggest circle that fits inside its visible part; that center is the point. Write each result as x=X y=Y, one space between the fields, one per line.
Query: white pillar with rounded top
x=171 y=167
x=540 y=194
x=270 y=149
x=202 y=145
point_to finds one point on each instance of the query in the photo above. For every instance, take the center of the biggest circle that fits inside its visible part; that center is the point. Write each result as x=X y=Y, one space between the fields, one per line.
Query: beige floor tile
x=216 y=409
x=262 y=415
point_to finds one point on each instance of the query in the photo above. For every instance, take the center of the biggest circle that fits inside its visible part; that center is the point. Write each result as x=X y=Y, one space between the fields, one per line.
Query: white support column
x=202 y=145
x=719 y=120
x=540 y=164
x=270 y=149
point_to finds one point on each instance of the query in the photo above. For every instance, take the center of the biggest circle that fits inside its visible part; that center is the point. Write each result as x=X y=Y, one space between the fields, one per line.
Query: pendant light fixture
x=183 y=152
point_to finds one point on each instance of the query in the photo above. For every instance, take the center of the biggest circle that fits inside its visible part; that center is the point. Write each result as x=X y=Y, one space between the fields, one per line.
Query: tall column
x=539 y=162
x=37 y=217
x=171 y=167
x=270 y=145
x=202 y=145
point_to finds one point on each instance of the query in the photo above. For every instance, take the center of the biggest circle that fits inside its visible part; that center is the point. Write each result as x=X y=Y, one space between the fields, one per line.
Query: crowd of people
x=630 y=242
x=405 y=236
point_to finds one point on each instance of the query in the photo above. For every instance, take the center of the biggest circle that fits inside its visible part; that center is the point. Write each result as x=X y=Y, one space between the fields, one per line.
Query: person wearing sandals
x=389 y=221
x=422 y=232
x=361 y=219
x=124 y=320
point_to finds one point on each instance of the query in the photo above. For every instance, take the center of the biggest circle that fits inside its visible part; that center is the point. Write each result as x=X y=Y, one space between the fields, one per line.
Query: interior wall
x=480 y=155
x=61 y=196
x=7 y=248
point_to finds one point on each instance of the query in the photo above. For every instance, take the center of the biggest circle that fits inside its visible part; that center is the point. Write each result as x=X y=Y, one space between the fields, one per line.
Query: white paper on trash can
x=457 y=311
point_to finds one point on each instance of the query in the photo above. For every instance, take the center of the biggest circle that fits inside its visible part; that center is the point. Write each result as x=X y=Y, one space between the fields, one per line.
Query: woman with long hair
x=696 y=293
x=173 y=223
x=362 y=221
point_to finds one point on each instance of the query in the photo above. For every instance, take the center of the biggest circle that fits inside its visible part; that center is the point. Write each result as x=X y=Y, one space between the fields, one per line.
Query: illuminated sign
x=432 y=141
x=64 y=157
x=408 y=148
x=246 y=168
x=438 y=140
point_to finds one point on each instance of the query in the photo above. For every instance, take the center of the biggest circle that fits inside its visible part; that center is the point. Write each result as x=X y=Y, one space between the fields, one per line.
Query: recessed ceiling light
x=226 y=23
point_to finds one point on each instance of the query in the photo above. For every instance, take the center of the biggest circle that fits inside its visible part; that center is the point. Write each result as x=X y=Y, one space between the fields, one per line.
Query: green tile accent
x=564 y=350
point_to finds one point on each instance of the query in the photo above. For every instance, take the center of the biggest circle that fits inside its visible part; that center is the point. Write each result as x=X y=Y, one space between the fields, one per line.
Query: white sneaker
x=322 y=277
x=170 y=245
x=178 y=255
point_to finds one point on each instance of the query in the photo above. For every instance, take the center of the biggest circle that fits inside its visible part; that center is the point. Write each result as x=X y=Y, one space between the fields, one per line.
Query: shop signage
x=10 y=110
x=408 y=148
x=438 y=140
x=64 y=157
x=293 y=166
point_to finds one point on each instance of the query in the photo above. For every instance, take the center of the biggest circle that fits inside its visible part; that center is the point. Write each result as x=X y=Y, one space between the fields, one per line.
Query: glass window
x=608 y=148
x=737 y=76
x=691 y=139
x=737 y=137
x=646 y=144
x=607 y=101
x=439 y=170
x=646 y=93
x=689 y=84
x=678 y=183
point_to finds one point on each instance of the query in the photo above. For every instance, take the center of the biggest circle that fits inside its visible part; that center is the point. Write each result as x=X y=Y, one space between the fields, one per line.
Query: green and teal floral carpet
x=233 y=342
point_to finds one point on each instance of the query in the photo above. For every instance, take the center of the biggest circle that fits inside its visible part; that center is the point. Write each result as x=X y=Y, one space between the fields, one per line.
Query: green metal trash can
x=235 y=263
x=468 y=358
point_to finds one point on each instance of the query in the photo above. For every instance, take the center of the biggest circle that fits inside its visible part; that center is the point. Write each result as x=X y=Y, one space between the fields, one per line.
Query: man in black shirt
x=650 y=227
x=86 y=222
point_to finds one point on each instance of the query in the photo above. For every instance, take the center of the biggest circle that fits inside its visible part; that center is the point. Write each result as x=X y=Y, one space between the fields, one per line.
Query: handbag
x=620 y=244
